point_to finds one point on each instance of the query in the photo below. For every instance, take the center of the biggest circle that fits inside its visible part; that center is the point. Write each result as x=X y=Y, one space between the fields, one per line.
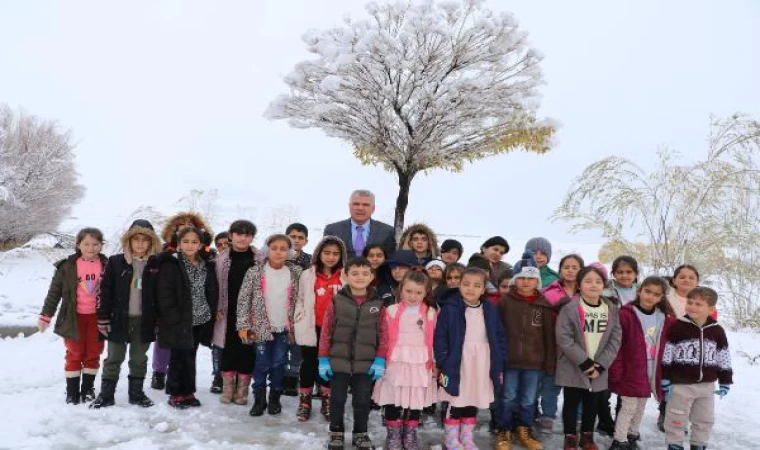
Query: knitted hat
x=452 y=244
x=528 y=272
x=142 y=223
x=539 y=244
x=602 y=268
x=436 y=263
x=526 y=261
x=479 y=261
x=496 y=240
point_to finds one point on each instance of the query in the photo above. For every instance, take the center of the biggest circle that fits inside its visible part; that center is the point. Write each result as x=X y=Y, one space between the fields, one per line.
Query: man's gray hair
x=362 y=193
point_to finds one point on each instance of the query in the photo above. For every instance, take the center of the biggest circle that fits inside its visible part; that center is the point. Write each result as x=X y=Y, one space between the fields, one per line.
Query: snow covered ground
x=33 y=413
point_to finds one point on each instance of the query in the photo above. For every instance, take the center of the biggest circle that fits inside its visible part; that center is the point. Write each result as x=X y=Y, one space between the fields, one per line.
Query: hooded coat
x=406 y=244
x=115 y=287
x=223 y=264
x=304 y=316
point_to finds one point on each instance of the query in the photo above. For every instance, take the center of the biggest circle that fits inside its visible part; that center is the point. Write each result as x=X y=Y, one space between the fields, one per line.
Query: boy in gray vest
x=351 y=351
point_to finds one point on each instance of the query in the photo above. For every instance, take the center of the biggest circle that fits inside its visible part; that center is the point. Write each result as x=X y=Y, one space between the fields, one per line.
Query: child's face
x=435 y=273
x=592 y=286
x=330 y=256
x=625 y=275
x=698 y=309
x=526 y=286
x=412 y=293
x=454 y=279
x=494 y=253
x=139 y=245
x=541 y=258
x=359 y=277
x=650 y=296
x=376 y=258
x=420 y=243
x=450 y=256
x=222 y=244
x=398 y=272
x=240 y=242
x=685 y=281
x=278 y=253
x=569 y=270
x=190 y=245
x=90 y=247
x=472 y=288
x=504 y=287
x=299 y=239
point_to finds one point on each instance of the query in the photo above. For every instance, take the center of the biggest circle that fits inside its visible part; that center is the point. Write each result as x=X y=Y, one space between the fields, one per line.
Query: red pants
x=84 y=354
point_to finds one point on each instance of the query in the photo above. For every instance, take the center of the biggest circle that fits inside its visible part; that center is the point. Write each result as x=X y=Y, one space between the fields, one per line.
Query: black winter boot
x=72 y=390
x=698 y=447
x=158 y=381
x=259 y=402
x=619 y=446
x=274 y=406
x=633 y=441
x=136 y=394
x=216 y=385
x=88 y=387
x=105 y=398
x=290 y=385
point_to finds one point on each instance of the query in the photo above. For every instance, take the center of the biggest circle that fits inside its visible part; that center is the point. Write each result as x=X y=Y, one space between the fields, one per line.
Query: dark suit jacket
x=379 y=233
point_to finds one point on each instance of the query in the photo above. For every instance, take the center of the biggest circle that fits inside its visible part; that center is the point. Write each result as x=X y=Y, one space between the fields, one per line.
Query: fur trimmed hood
x=180 y=217
x=405 y=243
x=330 y=240
x=155 y=242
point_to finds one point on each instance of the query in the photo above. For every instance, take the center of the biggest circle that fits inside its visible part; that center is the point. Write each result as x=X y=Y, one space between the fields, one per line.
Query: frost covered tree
x=705 y=213
x=420 y=86
x=38 y=180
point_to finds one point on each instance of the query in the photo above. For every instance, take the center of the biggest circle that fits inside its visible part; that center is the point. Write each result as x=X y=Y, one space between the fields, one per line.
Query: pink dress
x=475 y=385
x=407 y=382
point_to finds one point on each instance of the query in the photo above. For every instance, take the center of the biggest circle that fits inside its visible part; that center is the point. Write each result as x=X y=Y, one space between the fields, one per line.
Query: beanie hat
x=601 y=267
x=496 y=240
x=539 y=244
x=436 y=263
x=142 y=223
x=479 y=261
x=403 y=258
x=526 y=261
x=452 y=244
x=528 y=272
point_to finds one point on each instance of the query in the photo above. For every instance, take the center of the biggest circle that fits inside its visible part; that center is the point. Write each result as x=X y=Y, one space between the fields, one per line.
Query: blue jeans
x=549 y=396
x=271 y=357
x=520 y=387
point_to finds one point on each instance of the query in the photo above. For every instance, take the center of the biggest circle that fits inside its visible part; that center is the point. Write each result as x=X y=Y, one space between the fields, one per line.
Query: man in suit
x=361 y=230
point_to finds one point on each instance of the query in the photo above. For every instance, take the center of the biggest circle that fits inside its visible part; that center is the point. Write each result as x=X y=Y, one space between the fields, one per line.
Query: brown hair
x=454 y=267
x=88 y=231
x=664 y=304
x=420 y=277
x=477 y=272
x=705 y=293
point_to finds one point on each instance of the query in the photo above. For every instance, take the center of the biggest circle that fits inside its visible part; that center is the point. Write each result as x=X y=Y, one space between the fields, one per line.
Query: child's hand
x=594 y=374
x=43 y=323
x=377 y=369
x=104 y=327
x=325 y=370
x=722 y=390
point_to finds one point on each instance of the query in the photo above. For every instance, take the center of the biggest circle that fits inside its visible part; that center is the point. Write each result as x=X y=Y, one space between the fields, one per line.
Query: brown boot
x=228 y=388
x=503 y=440
x=526 y=439
x=587 y=441
x=241 y=391
x=304 y=404
x=325 y=409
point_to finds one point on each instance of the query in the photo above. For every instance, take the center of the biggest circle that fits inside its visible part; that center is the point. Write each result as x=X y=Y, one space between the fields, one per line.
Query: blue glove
x=666 y=389
x=325 y=371
x=377 y=369
x=722 y=390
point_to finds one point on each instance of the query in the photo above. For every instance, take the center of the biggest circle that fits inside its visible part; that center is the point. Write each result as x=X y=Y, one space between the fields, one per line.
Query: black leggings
x=464 y=412
x=573 y=397
x=393 y=412
x=309 y=372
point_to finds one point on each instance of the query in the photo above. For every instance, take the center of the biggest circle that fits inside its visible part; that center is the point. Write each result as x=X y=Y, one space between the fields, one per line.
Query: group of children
x=408 y=332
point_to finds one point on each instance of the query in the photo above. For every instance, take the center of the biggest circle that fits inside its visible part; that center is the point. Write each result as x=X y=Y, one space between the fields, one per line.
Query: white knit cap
x=528 y=272
x=436 y=263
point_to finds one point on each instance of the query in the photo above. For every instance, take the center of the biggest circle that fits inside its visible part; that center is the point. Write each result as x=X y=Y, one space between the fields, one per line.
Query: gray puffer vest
x=355 y=336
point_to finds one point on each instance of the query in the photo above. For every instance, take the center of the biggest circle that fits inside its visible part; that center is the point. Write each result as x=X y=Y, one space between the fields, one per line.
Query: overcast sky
x=168 y=96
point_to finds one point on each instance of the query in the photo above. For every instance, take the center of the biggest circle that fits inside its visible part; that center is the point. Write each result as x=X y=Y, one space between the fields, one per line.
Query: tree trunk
x=402 y=201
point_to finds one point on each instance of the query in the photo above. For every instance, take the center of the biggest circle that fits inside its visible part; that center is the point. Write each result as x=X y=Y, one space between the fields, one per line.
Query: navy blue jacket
x=449 y=340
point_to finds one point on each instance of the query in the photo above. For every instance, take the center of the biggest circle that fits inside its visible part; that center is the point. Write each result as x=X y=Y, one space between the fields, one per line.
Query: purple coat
x=629 y=376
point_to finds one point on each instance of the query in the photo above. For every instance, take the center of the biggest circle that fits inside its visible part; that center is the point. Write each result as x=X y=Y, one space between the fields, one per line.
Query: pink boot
x=393 y=441
x=451 y=434
x=466 y=428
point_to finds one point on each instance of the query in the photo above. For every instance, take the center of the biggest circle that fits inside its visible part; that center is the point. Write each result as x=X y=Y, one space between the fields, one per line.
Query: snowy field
x=33 y=414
